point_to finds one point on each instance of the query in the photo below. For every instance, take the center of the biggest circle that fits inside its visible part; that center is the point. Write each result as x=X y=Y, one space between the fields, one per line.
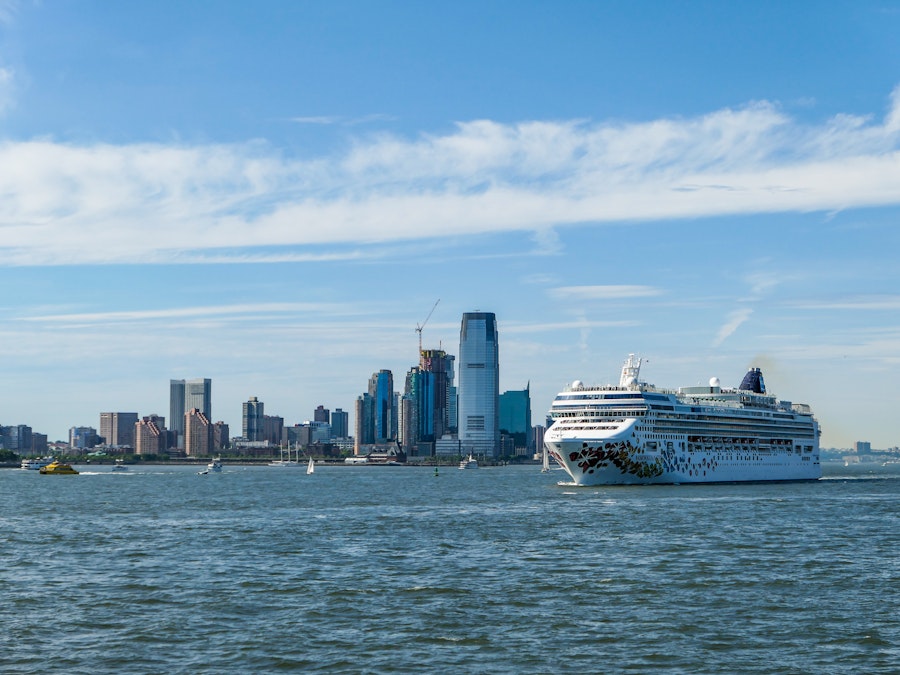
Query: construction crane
x=420 y=327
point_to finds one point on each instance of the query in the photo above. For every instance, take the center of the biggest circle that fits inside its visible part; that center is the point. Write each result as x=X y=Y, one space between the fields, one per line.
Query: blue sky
x=275 y=194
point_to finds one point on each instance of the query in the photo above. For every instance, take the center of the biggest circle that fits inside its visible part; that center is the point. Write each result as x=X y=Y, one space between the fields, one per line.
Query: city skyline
x=275 y=197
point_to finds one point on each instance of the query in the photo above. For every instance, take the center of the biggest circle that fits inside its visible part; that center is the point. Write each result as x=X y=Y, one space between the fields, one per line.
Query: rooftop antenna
x=419 y=328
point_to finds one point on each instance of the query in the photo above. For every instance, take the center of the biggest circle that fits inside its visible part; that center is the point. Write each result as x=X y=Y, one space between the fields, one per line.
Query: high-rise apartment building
x=479 y=385
x=221 y=439
x=273 y=429
x=150 y=436
x=117 y=428
x=322 y=414
x=185 y=395
x=364 y=433
x=253 y=420
x=381 y=389
x=197 y=433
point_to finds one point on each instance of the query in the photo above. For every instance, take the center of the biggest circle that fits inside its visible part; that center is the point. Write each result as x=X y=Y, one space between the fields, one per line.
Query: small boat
x=311 y=467
x=468 y=463
x=36 y=463
x=546 y=465
x=60 y=468
x=215 y=464
x=119 y=465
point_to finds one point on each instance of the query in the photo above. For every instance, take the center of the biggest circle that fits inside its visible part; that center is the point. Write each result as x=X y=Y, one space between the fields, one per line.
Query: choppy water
x=393 y=570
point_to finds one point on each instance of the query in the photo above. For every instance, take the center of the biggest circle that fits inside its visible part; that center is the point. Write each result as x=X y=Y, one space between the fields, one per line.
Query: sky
x=274 y=195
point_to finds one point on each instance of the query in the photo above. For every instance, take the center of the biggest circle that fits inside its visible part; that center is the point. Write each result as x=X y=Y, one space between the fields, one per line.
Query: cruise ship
x=636 y=433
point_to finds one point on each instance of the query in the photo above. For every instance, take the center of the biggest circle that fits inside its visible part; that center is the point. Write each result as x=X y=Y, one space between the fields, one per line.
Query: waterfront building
x=384 y=416
x=221 y=434
x=197 y=433
x=185 y=395
x=150 y=436
x=479 y=385
x=117 y=428
x=440 y=365
x=515 y=416
x=340 y=424
x=322 y=414
x=273 y=429
x=365 y=422
x=252 y=416
x=16 y=437
x=81 y=438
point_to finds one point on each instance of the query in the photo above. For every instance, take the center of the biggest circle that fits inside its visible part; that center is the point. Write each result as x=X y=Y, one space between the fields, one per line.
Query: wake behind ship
x=636 y=433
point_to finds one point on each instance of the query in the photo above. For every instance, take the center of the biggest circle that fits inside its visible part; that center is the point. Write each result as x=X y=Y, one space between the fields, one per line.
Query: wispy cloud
x=735 y=319
x=186 y=313
x=341 y=120
x=581 y=293
x=6 y=88
x=856 y=302
x=64 y=202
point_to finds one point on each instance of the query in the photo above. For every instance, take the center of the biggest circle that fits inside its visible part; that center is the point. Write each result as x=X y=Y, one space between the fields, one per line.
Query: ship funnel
x=753 y=381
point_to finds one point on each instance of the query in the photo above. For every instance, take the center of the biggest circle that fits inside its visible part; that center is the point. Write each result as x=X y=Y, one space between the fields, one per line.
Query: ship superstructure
x=638 y=433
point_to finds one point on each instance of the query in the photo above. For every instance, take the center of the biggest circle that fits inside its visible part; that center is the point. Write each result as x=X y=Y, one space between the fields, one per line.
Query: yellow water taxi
x=58 y=468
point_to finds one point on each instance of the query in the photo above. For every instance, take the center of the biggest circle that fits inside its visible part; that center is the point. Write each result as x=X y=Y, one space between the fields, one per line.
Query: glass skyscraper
x=479 y=385
x=185 y=395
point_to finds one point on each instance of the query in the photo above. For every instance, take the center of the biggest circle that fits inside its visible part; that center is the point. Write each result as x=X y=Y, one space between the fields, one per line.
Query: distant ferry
x=35 y=464
x=636 y=433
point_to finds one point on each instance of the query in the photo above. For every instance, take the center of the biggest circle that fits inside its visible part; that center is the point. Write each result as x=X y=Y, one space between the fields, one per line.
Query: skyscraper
x=185 y=395
x=381 y=389
x=117 y=428
x=479 y=385
x=252 y=420
x=340 y=424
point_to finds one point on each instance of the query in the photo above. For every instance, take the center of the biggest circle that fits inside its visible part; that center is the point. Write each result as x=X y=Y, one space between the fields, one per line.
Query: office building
x=515 y=416
x=479 y=385
x=185 y=395
x=340 y=424
x=117 y=428
x=81 y=438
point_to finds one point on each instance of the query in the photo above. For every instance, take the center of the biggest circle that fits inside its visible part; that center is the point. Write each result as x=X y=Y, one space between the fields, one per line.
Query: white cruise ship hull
x=628 y=462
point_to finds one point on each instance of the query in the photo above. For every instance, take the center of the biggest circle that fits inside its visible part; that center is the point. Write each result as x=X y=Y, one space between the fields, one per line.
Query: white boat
x=36 y=463
x=119 y=466
x=638 y=433
x=215 y=464
x=311 y=467
x=468 y=463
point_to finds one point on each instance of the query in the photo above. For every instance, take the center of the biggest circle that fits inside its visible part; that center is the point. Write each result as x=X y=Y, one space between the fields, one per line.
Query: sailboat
x=546 y=467
x=311 y=467
x=282 y=462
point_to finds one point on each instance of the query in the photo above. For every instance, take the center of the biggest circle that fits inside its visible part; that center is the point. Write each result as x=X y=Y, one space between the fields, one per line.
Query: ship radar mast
x=631 y=370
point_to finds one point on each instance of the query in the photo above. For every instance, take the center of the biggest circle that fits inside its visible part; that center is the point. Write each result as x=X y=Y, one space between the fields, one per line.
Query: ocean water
x=496 y=570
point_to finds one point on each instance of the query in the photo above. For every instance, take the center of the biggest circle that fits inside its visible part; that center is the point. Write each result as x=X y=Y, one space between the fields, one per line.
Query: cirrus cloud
x=148 y=203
